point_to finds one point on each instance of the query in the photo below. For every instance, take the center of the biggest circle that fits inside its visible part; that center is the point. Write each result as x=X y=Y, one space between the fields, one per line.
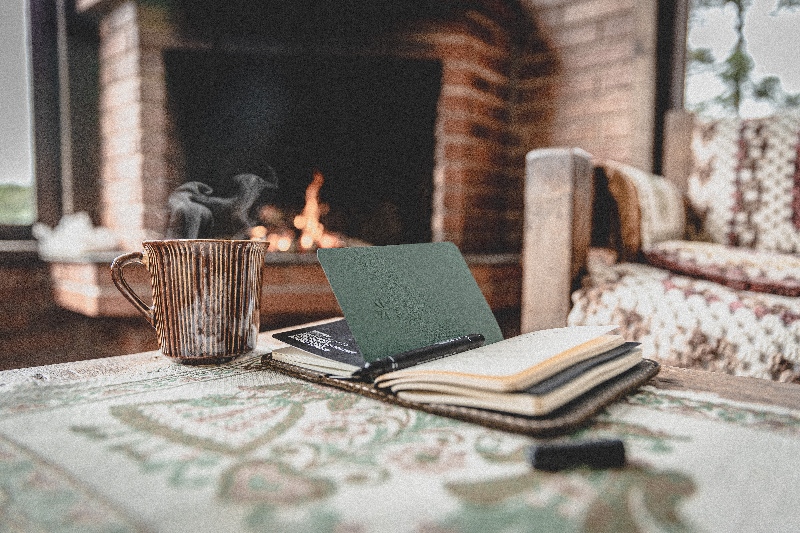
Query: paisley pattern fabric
x=694 y=323
x=137 y=443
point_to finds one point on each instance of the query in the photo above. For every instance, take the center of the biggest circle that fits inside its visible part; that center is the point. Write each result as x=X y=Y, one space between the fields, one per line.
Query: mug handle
x=119 y=280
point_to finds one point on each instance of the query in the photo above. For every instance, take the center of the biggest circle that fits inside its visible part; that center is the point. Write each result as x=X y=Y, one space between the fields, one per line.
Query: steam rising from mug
x=196 y=214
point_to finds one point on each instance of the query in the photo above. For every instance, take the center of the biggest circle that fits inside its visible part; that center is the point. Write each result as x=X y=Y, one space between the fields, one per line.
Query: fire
x=308 y=222
x=312 y=231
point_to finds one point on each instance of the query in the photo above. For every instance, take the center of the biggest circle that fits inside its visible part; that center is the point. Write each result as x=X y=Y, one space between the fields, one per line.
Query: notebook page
x=516 y=354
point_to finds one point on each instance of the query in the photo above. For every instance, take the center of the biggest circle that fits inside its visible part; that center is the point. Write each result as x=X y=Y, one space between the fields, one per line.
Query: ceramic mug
x=206 y=295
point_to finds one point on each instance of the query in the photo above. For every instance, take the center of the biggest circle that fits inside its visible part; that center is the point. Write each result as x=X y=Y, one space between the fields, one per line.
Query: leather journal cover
x=571 y=416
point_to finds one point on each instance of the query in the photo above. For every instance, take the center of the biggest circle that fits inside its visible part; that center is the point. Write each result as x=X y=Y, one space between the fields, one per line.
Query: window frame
x=42 y=26
x=673 y=20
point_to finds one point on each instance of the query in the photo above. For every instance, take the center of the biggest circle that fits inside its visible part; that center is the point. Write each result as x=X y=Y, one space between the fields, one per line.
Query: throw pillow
x=651 y=209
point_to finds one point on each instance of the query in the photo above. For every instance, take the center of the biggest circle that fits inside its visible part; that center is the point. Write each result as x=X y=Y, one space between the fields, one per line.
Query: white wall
x=16 y=144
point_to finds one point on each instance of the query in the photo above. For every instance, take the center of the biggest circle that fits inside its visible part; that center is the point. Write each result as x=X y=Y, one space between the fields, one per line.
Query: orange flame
x=312 y=231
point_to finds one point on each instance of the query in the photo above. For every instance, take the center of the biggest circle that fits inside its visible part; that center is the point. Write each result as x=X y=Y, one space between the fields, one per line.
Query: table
x=138 y=443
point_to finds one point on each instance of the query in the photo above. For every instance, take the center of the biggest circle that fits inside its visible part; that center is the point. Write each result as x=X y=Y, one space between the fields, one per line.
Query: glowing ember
x=258 y=233
x=283 y=242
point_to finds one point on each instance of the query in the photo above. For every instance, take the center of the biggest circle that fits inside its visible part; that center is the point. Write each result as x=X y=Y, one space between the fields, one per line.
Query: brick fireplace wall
x=600 y=94
x=484 y=50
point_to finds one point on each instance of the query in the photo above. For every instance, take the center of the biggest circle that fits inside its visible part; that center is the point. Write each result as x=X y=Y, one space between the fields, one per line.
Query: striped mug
x=206 y=296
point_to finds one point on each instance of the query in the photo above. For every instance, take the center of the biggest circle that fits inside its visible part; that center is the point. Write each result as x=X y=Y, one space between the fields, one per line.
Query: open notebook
x=398 y=298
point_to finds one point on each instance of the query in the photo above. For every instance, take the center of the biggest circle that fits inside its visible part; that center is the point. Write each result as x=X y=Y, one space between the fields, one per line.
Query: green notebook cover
x=401 y=297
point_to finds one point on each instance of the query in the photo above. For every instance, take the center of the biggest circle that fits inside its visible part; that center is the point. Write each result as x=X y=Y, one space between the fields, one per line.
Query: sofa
x=701 y=266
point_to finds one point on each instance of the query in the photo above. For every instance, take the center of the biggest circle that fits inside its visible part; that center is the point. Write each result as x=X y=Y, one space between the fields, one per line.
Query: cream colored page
x=592 y=376
x=526 y=404
x=513 y=355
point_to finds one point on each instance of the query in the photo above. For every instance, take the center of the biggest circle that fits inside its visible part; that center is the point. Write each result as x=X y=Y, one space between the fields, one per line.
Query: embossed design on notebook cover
x=397 y=298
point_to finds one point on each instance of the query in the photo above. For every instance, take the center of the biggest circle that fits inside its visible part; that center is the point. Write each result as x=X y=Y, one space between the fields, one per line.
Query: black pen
x=416 y=356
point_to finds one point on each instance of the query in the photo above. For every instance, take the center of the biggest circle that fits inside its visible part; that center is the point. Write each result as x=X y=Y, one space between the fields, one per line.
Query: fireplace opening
x=364 y=123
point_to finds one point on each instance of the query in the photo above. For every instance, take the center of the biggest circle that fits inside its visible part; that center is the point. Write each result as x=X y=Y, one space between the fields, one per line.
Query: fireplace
x=448 y=167
x=365 y=124
x=416 y=114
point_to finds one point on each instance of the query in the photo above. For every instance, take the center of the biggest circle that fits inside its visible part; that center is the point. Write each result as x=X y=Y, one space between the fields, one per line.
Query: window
x=30 y=175
x=742 y=57
x=17 y=196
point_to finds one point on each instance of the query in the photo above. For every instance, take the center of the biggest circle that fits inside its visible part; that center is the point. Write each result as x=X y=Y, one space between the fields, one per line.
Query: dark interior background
x=367 y=123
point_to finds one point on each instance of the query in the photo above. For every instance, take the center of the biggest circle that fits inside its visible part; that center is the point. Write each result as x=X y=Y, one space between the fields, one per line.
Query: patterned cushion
x=694 y=323
x=739 y=268
x=650 y=208
x=745 y=181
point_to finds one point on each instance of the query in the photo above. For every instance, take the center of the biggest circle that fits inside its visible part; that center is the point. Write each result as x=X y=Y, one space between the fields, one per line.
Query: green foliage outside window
x=16 y=205
x=736 y=70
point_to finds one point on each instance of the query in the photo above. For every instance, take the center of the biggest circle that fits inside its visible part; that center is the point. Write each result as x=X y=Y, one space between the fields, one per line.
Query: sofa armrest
x=556 y=233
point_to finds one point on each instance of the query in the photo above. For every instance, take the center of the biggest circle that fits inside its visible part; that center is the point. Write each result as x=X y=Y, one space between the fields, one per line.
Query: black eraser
x=603 y=453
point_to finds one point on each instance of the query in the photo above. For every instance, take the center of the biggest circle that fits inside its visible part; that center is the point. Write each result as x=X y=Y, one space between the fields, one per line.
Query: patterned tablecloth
x=137 y=443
